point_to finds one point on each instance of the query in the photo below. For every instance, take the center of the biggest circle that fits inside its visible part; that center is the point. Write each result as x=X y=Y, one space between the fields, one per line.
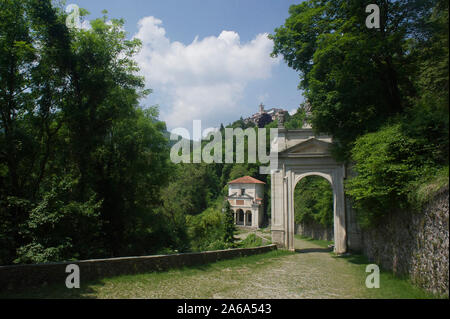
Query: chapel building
x=246 y=195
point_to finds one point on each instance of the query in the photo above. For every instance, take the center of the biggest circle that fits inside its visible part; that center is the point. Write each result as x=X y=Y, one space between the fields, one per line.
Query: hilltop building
x=246 y=195
x=274 y=114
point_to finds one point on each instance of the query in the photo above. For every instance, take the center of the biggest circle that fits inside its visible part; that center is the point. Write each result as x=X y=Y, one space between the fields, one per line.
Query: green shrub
x=424 y=189
x=210 y=230
x=61 y=228
x=388 y=162
x=251 y=241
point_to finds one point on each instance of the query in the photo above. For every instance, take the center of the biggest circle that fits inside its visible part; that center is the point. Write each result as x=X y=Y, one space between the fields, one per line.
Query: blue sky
x=195 y=79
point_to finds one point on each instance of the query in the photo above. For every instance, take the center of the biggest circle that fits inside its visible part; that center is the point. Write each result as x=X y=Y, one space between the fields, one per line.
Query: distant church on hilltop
x=246 y=198
x=271 y=114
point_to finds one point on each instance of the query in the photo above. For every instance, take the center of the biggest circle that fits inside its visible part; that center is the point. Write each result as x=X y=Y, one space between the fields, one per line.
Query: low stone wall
x=414 y=244
x=315 y=231
x=27 y=276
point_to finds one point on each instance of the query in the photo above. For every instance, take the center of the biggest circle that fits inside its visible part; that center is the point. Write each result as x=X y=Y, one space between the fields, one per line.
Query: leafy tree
x=412 y=149
x=264 y=120
x=229 y=227
x=33 y=49
x=82 y=165
x=297 y=120
x=382 y=94
x=354 y=77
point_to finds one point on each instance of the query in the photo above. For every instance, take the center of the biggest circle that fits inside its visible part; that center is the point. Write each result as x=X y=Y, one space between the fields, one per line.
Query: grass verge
x=392 y=286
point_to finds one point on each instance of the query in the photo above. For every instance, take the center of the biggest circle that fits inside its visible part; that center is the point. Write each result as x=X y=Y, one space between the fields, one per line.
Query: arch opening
x=240 y=217
x=314 y=207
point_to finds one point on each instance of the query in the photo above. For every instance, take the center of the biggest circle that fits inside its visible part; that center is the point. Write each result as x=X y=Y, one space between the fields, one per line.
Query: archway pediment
x=310 y=147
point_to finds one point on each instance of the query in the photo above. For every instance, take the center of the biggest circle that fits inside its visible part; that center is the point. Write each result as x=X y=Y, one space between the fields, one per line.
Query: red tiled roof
x=246 y=180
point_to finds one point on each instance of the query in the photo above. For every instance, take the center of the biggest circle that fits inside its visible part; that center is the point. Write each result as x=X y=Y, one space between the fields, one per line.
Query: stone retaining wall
x=414 y=244
x=26 y=276
x=315 y=231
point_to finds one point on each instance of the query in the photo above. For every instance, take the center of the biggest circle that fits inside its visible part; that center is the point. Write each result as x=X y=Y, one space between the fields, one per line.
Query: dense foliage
x=313 y=201
x=383 y=94
x=81 y=164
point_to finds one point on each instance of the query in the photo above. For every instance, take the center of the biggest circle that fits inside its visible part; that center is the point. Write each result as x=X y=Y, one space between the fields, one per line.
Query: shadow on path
x=313 y=250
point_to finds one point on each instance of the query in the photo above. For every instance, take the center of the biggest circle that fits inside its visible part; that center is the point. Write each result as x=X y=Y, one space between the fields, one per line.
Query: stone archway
x=301 y=153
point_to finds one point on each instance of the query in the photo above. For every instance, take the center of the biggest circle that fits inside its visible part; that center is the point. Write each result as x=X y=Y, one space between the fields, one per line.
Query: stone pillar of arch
x=302 y=154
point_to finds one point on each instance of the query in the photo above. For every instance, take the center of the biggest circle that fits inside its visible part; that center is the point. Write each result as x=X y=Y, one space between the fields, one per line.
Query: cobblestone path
x=312 y=272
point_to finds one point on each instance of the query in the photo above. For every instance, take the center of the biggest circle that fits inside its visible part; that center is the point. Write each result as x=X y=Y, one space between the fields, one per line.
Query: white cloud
x=205 y=79
x=86 y=25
